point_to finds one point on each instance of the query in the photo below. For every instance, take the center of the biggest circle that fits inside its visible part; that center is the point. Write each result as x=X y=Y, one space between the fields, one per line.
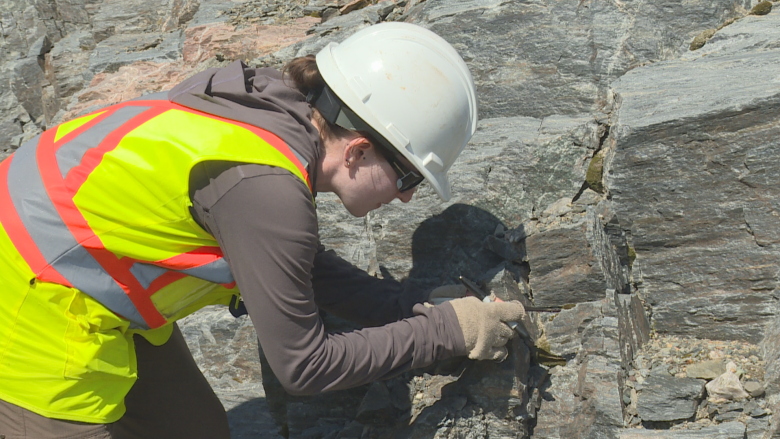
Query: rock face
x=728 y=430
x=625 y=168
x=693 y=167
x=669 y=398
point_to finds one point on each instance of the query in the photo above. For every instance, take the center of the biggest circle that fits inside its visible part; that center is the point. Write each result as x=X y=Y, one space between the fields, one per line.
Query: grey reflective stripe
x=54 y=240
x=146 y=273
x=159 y=96
x=217 y=272
x=70 y=154
x=304 y=163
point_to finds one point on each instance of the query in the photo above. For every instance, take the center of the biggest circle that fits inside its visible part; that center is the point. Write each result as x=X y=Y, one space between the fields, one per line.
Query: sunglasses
x=335 y=112
x=407 y=179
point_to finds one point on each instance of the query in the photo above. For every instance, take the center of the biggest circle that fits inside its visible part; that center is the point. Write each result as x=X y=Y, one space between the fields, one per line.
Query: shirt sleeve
x=266 y=225
x=348 y=292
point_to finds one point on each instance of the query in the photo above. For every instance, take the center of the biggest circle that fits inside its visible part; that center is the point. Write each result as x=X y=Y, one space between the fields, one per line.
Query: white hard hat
x=411 y=88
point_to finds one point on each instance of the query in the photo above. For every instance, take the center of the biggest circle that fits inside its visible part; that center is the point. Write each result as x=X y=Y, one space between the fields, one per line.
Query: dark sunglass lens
x=407 y=179
x=410 y=181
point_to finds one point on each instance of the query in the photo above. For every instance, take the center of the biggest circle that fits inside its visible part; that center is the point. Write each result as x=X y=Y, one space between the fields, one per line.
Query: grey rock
x=686 y=230
x=563 y=270
x=773 y=432
x=668 y=398
x=573 y=263
x=558 y=209
x=502 y=248
x=728 y=416
x=329 y=13
x=756 y=428
x=633 y=329
x=771 y=346
x=27 y=85
x=314 y=8
x=335 y=28
x=123 y=49
x=40 y=47
x=212 y=11
x=582 y=401
x=569 y=52
x=564 y=331
x=225 y=349
x=10 y=128
x=117 y=17
x=67 y=63
x=758 y=412
x=727 y=430
x=754 y=388
x=376 y=407
x=707 y=370
x=22 y=24
x=609 y=248
x=587 y=197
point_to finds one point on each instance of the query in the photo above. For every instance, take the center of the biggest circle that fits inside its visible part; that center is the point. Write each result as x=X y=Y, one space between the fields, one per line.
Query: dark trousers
x=171 y=399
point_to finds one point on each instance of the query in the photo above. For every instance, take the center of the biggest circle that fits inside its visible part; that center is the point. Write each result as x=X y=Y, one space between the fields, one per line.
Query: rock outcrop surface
x=694 y=166
x=625 y=169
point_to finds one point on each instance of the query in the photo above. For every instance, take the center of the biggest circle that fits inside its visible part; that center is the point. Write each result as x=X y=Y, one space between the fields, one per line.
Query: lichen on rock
x=594 y=176
x=701 y=39
x=762 y=8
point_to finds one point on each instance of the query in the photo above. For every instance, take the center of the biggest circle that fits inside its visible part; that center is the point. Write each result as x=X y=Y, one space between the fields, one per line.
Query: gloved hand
x=484 y=326
x=447 y=292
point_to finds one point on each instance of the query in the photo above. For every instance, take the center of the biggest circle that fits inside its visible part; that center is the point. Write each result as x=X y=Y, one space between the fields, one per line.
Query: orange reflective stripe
x=17 y=232
x=163 y=281
x=61 y=185
x=78 y=175
x=62 y=197
x=271 y=138
x=191 y=259
x=78 y=131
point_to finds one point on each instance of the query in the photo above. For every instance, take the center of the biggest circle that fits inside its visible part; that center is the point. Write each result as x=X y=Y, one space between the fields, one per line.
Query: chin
x=357 y=212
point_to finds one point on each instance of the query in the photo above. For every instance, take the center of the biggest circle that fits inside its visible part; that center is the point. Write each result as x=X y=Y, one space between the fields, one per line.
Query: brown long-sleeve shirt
x=266 y=224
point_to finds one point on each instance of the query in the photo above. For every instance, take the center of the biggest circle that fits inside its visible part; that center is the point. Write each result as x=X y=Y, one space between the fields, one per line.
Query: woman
x=116 y=224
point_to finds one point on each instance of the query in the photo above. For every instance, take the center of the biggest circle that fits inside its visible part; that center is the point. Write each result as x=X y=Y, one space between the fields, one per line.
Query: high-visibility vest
x=102 y=204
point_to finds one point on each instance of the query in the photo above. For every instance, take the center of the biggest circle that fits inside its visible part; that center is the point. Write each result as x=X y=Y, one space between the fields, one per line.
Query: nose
x=406 y=197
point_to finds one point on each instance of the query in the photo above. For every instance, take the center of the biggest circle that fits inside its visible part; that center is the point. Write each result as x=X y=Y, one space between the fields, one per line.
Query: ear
x=356 y=150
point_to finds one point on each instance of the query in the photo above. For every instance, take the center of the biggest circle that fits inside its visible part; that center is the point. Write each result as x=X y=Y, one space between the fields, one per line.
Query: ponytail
x=306 y=77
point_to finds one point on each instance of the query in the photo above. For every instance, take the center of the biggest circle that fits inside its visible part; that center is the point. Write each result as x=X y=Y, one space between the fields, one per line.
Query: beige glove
x=445 y=293
x=484 y=326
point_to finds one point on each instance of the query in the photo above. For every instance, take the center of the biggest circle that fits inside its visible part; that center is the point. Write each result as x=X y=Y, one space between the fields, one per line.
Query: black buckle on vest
x=237 y=307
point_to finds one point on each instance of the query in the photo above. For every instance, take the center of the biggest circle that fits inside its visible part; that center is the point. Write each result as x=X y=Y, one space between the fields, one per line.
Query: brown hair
x=306 y=77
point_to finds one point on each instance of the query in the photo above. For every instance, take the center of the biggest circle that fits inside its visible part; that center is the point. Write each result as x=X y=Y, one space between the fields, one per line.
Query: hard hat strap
x=335 y=112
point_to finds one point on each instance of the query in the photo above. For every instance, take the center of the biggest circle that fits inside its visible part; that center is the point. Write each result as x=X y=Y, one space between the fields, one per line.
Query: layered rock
x=613 y=170
x=693 y=166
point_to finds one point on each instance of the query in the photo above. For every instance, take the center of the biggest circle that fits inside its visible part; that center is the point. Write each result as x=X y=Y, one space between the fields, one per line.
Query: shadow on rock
x=453 y=398
x=251 y=419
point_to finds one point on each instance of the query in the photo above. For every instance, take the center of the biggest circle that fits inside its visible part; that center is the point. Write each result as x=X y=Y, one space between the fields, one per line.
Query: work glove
x=484 y=326
x=445 y=293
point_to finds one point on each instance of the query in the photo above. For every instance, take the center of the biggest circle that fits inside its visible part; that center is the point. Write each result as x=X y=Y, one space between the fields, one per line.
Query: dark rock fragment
x=377 y=406
x=707 y=370
x=665 y=399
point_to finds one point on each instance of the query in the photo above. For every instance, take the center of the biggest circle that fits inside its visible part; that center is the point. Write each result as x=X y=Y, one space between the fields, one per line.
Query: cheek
x=385 y=179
